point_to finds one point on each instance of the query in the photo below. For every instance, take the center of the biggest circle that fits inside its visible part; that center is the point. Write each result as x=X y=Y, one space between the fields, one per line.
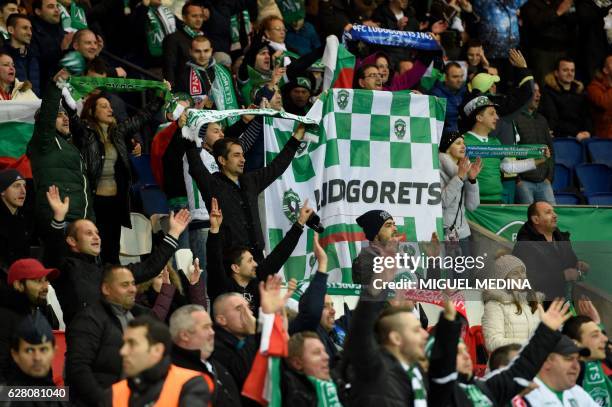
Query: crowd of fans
x=514 y=72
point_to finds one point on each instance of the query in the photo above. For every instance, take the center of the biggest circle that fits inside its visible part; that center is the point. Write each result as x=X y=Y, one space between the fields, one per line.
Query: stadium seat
x=600 y=199
x=563 y=178
x=568 y=152
x=566 y=198
x=59 y=358
x=153 y=200
x=142 y=170
x=600 y=151
x=594 y=178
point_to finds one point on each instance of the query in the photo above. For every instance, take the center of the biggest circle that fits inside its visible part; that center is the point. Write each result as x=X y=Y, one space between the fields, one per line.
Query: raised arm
x=218 y=280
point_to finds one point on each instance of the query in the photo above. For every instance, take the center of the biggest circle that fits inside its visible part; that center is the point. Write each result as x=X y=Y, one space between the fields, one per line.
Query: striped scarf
x=161 y=23
x=418 y=386
x=327 y=394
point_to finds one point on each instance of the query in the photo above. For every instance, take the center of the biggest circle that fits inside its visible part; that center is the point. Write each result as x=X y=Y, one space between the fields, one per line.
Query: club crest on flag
x=343 y=99
x=291 y=205
x=399 y=127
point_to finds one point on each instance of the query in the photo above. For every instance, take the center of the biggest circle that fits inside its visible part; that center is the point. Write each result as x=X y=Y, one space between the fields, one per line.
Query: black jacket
x=533 y=129
x=93 y=340
x=47 y=44
x=241 y=225
x=146 y=388
x=567 y=112
x=176 y=48
x=16 y=377
x=16 y=233
x=121 y=135
x=14 y=306
x=296 y=389
x=219 y=280
x=207 y=78
x=226 y=392
x=81 y=275
x=235 y=354
x=379 y=379
x=545 y=261
x=499 y=387
x=547 y=30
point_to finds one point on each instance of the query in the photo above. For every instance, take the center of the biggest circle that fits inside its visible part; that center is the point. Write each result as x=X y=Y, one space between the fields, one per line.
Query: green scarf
x=327 y=395
x=161 y=23
x=4 y=34
x=81 y=86
x=74 y=63
x=475 y=395
x=518 y=151
x=292 y=10
x=191 y=32
x=597 y=384
x=418 y=386
x=75 y=20
x=235 y=29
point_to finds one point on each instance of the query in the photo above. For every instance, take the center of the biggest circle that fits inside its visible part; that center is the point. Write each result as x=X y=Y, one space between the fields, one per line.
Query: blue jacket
x=453 y=101
x=304 y=41
x=26 y=66
x=499 y=28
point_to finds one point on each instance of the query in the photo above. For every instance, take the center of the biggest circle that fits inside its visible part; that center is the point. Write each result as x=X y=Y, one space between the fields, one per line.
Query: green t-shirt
x=489 y=178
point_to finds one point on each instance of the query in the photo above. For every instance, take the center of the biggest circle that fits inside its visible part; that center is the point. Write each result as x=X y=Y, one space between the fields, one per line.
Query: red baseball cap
x=29 y=269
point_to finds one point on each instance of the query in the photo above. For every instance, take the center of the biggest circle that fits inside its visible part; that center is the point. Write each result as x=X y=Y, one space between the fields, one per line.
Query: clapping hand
x=194 y=277
x=586 y=308
x=475 y=169
x=271 y=299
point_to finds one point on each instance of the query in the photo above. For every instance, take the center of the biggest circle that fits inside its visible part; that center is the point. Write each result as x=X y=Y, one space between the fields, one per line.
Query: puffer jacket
x=57 y=161
x=599 y=92
x=22 y=92
x=454 y=99
x=501 y=324
x=567 y=112
x=121 y=136
x=452 y=186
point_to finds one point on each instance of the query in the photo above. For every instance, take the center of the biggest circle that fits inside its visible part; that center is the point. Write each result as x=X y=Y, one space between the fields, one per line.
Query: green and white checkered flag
x=375 y=150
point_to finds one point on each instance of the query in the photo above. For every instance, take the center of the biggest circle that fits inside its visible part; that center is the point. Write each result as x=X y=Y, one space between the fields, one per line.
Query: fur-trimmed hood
x=506 y=297
x=551 y=81
x=448 y=165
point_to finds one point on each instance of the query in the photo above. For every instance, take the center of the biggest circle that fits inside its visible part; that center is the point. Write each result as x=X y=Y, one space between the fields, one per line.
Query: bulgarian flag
x=263 y=382
x=339 y=65
x=16 y=128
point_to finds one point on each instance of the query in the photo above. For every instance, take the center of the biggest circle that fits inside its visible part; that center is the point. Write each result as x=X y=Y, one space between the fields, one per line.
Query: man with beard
x=28 y=285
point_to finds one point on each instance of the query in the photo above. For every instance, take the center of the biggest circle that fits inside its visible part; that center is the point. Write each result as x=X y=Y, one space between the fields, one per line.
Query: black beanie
x=448 y=138
x=7 y=177
x=372 y=221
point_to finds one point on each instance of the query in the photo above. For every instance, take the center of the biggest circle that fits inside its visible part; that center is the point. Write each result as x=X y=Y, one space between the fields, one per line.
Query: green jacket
x=57 y=161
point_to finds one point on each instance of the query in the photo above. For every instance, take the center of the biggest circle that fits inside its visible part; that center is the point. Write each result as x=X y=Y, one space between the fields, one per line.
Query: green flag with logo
x=372 y=150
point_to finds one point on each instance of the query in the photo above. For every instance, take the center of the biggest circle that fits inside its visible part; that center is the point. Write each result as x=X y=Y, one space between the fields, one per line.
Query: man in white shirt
x=557 y=378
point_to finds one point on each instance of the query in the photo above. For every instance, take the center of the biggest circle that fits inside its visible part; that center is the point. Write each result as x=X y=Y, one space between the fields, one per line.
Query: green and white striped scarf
x=327 y=394
x=475 y=395
x=191 y=32
x=418 y=386
x=161 y=23
x=235 y=28
x=74 y=20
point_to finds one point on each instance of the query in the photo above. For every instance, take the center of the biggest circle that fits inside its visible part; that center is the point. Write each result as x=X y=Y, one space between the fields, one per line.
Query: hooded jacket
x=567 y=111
x=502 y=324
x=545 y=261
x=454 y=99
x=57 y=160
x=452 y=188
x=22 y=92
